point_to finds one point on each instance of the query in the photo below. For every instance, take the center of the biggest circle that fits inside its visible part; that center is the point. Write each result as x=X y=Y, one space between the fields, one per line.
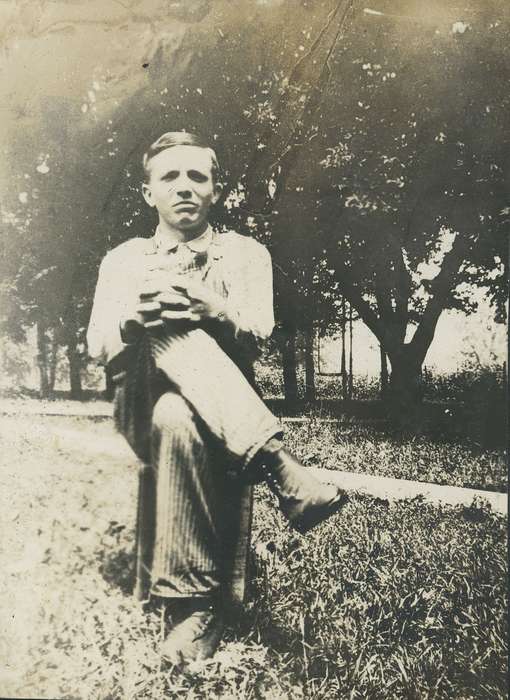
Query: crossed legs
x=209 y=423
x=195 y=503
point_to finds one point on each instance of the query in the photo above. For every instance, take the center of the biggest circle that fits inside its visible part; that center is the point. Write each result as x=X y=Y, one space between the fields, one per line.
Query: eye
x=171 y=175
x=197 y=176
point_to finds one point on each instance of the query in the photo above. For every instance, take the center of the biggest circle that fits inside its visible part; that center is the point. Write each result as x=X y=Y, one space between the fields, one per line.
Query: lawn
x=359 y=448
x=402 y=600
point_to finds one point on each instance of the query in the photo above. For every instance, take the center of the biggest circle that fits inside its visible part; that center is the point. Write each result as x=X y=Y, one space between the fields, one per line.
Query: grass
x=384 y=601
x=396 y=602
x=363 y=449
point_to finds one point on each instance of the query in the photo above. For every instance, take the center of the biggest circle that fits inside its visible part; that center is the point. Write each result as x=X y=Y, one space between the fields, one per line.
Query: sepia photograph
x=254 y=349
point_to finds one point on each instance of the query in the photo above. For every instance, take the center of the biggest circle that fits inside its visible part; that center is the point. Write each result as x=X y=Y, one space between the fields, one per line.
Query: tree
x=351 y=359
x=422 y=184
x=351 y=159
x=343 y=363
x=415 y=181
x=383 y=373
x=81 y=206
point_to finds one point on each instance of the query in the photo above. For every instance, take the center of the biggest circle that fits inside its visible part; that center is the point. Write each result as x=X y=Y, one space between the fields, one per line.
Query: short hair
x=178 y=138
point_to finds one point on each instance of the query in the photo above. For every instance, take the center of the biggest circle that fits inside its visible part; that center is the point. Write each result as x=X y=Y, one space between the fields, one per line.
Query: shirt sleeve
x=109 y=306
x=250 y=298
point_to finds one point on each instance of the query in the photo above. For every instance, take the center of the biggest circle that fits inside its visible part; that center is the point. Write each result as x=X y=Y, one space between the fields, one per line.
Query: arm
x=110 y=303
x=249 y=306
x=125 y=302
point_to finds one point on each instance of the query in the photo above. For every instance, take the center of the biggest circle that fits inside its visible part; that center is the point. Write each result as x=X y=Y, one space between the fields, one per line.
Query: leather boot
x=196 y=636
x=303 y=499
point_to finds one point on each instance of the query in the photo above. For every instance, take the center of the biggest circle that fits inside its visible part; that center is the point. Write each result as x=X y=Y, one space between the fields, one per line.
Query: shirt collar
x=198 y=245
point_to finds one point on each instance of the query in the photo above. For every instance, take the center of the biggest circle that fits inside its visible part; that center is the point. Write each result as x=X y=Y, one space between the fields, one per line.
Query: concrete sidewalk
x=398 y=489
x=97 y=409
x=45 y=407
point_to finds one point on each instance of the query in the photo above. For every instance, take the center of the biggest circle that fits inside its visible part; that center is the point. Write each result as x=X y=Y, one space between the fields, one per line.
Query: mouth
x=185 y=207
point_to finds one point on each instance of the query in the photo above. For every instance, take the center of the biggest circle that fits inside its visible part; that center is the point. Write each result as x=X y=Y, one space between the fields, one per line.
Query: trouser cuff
x=250 y=468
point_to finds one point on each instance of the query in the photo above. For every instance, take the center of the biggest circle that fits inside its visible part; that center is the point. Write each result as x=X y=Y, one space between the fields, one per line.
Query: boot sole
x=315 y=516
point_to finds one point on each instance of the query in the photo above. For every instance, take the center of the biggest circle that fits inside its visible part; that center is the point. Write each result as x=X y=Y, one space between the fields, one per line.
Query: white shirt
x=239 y=269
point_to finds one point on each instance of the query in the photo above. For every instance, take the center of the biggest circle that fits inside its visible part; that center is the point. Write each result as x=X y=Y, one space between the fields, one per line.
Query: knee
x=171 y=411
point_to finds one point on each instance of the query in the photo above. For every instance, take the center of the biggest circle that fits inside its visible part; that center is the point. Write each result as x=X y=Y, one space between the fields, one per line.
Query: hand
x=156 y=306
x=152 y=299
x=193 y=302
x=181 y=301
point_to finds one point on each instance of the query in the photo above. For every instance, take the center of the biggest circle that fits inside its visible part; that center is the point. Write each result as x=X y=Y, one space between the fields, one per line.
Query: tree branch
x=307 y=80
x=441 y=289
x=354 y=296
x=402 y=294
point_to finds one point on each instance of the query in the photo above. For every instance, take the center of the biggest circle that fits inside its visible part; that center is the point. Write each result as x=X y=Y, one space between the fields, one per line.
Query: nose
x=184 y=193
x=182 y=186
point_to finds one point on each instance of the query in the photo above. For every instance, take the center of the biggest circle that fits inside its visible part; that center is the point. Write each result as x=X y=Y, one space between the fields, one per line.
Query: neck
x=175 y=235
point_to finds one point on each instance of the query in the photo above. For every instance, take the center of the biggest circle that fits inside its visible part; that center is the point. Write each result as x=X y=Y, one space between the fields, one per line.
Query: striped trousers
x=206 y=428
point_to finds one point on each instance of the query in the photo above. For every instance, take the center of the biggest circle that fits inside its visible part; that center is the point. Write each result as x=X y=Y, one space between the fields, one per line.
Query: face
x=181 y=187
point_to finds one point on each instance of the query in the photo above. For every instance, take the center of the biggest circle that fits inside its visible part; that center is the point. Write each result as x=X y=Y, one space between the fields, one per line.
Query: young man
x=179 y=318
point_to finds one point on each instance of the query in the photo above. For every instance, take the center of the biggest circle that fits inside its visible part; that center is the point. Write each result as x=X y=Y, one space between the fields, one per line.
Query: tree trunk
x=350 y=384
x=42 y=361
x=405 y=391
x=384 y=372
x=52 y=363
x=109 y=391
x=74 y=360
x=310 y=394
x=289 y=364
x=343 y=369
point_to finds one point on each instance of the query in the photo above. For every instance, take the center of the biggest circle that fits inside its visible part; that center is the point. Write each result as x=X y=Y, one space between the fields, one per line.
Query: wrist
x=220 y=313
x=227 y=321
x=221 y=316
x=220 y=321
x=130 y=329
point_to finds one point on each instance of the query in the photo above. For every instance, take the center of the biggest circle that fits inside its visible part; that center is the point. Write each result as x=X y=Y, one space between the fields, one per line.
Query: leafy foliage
x=341 y=140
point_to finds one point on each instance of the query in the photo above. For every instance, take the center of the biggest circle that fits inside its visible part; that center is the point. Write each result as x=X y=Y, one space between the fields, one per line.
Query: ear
x=218 y=189
x=147 y=194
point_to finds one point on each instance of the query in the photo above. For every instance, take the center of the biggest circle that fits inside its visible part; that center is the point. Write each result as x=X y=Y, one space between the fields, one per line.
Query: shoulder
x=127 y=251
x=234 y=243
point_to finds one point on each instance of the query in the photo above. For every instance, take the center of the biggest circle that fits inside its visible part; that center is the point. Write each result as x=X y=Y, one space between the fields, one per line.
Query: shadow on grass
x=480 y=422
x=117 y=565
x=255 y=615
